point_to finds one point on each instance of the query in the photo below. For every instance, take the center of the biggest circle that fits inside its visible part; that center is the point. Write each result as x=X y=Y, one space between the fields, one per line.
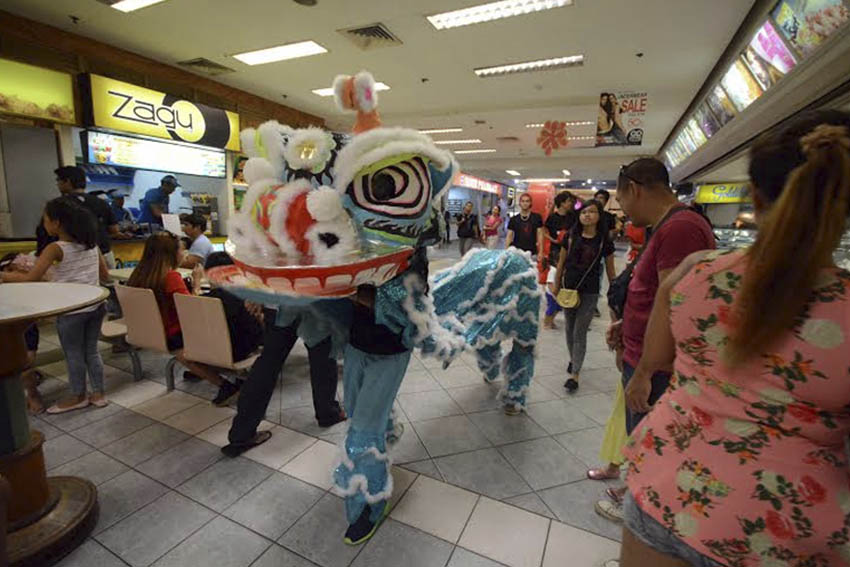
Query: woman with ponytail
x=743 y=461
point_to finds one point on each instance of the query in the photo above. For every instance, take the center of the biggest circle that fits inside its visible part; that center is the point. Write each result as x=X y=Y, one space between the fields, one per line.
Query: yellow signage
x=723 y=193
x=35 y=92
x=130 y=108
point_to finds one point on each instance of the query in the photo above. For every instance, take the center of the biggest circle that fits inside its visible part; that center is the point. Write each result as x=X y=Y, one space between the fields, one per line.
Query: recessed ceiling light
x=484 y=151
x=131 y=5
x=493 y=11
x=581 y=137
x=590 y=181
x=541 y=124
x=329 y=91
x=281 y=53
x=454 y=142
x=441 y=131
x=566 y=172
x=545 y=180
x=531 y=66
x=512 y=172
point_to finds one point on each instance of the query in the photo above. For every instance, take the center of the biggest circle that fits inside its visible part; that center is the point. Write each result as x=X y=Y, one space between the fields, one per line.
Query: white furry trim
x=359 y=483
x=248 y=139
x=245 y=222
x=448 y=345
x=343 y=229
x=271 y=133
x=381 y=143
x=325 y=204
x=277 y=221
x=339 y=91
x=256 y=169
x=365 y=92
x=321 y=139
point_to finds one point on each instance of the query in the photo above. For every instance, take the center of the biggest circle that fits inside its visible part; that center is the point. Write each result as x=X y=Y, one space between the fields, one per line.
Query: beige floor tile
x=572 y=546
x=402 y=480
x=284 y=446
x=165 y=405
x=217 y=434
x=198 y=418
x=436 y=507
x=314 y=465
x=506 y=534
x=135 y=393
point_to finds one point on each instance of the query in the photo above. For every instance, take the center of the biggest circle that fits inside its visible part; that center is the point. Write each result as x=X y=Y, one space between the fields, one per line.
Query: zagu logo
x=182 y=119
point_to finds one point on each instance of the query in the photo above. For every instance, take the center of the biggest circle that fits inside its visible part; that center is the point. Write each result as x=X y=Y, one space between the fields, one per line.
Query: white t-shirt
x=201 y=247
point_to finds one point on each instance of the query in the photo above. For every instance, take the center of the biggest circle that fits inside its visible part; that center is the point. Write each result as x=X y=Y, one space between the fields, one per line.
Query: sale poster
x=620 y=119
x=807 y=23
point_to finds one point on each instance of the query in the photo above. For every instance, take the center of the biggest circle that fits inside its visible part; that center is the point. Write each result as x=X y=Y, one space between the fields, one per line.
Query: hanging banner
x=129 y=108
x=620 y=119
x=34 y=92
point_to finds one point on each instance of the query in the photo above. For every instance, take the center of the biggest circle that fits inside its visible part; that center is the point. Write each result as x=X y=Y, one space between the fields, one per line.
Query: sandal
x=615 y=495
x=235 y=449
x=57 y=408
x=602 y=474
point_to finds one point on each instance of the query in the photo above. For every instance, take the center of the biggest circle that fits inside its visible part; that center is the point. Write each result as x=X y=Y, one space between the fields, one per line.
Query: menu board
x=706 y=120
x=740 y=85
x=720 y=105
x=807 y=23
x=139 y=153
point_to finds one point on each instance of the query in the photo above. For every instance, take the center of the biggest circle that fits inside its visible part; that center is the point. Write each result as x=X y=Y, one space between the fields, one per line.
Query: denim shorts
x=645 y=528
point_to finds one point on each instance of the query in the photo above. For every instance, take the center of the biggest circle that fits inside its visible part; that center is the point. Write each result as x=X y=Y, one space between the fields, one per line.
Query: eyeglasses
x=623 y=173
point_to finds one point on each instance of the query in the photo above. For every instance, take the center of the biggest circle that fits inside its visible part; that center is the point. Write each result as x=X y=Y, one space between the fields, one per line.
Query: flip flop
x=55 y=409
x=235 y=449
x=602 y=474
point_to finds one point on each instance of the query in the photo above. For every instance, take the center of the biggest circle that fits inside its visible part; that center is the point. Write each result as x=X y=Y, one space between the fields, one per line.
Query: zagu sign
x=129 y=108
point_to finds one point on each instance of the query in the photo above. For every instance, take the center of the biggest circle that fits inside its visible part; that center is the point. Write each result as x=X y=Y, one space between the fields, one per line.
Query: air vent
x=507 y=139
x=374 y=36
x=205 y=67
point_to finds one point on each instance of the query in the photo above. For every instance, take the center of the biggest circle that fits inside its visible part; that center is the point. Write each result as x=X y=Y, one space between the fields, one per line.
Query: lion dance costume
x=328 y=217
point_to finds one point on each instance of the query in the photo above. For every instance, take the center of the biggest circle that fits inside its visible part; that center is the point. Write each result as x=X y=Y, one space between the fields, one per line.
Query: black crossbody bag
x=618 y=290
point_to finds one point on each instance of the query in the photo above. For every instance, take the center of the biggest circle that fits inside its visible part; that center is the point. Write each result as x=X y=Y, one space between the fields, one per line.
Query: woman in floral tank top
x=743 y=463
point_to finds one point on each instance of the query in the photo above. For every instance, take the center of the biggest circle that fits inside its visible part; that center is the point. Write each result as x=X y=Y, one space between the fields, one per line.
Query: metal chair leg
x=137 y=363
x=169 y=373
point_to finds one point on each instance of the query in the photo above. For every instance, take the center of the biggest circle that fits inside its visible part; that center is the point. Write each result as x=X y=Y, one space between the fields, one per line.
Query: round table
x=48 y=517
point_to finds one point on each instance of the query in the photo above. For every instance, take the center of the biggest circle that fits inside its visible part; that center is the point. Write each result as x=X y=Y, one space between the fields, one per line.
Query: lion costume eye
x=399 y=189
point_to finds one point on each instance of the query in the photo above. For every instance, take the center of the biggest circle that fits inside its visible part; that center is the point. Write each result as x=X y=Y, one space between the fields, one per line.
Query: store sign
x=472 y=182
x=621 y=119
x=122 y=106
x=723 y=193
x=34 y=92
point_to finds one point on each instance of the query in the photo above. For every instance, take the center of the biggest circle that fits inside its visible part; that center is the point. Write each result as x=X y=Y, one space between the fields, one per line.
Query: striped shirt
x=79 y=265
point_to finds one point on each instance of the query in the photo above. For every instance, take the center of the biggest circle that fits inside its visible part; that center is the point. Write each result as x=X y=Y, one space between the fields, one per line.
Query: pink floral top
x=748 y=465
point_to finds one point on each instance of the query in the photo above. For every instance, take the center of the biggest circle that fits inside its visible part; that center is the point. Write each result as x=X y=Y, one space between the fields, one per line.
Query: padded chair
x=206 y=338
x=145 y=329
x=115 y=333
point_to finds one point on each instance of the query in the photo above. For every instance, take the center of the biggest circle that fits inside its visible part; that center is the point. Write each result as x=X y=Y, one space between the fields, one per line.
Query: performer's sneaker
x=363 y=529
x=512 y=409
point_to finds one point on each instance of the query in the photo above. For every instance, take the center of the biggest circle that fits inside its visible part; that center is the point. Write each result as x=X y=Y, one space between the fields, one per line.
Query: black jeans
x=660 y=382
x=256 y=392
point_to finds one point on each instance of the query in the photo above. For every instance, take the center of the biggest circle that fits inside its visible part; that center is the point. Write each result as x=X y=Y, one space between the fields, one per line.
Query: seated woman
x=157 y=271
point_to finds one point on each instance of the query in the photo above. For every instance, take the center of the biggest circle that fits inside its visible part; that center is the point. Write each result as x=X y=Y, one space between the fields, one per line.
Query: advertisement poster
x=769 y=48
x=620 y=119
x=707 y=122
x=35 y=92
x=696 y=132
x=807 y=23
x=721 y=106
x=740 y=85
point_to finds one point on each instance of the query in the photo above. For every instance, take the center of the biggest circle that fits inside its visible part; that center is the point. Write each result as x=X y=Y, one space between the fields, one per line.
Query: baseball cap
x=170 y=179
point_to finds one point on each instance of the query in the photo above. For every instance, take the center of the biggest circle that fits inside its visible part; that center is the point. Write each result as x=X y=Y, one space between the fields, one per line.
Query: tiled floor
x=473 y=487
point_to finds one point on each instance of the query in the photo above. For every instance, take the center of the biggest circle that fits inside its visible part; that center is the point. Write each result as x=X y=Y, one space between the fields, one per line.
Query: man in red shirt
x=643 y=190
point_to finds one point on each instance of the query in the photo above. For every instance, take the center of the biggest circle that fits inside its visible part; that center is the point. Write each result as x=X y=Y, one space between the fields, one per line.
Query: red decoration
x=552 y=136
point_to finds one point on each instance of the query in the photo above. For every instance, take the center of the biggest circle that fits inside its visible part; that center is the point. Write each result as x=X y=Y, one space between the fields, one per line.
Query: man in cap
x=155 y=202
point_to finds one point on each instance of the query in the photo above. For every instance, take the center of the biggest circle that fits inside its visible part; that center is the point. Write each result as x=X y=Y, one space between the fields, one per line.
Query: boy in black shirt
x=525 y=230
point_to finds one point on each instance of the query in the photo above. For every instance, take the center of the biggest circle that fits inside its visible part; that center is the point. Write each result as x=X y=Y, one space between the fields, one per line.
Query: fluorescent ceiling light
x=531 y=66
x=493 y=11
x=566 y=172
x=485 y=151
x=535 y=125
x=513 y=172
x=454 y=142
x=590 y=180
x=581 y=137
x=131 y=5
x=281 y=53
x=545 y=180
x=579 y=123
x=330 y=91
x=439 y=130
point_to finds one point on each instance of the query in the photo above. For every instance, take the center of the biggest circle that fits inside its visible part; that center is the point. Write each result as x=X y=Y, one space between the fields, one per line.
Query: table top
x=21 y=301
x=123 y=274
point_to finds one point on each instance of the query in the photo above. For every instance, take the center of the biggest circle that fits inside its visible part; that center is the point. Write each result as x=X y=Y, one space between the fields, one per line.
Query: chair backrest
x=141 y=315
x=206 y=337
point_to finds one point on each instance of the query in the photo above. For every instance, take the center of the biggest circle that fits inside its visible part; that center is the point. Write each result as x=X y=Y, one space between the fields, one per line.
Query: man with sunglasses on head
x=645 y=195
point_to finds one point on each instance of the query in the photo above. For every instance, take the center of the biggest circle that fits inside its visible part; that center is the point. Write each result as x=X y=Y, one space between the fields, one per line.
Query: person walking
x=525 y=229
x=743 y=461
x=492 y=224
x=467 y=228
x=583 y=252
x=558 y=223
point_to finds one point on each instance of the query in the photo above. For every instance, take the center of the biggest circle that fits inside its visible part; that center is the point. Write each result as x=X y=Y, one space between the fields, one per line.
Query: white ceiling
x=681 y=41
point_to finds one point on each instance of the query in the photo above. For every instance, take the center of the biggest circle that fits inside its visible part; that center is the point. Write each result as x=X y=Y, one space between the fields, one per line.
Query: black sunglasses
x=623 y=173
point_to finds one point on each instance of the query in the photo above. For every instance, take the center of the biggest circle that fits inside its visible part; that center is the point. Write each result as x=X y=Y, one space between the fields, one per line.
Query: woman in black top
x=583 y=252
